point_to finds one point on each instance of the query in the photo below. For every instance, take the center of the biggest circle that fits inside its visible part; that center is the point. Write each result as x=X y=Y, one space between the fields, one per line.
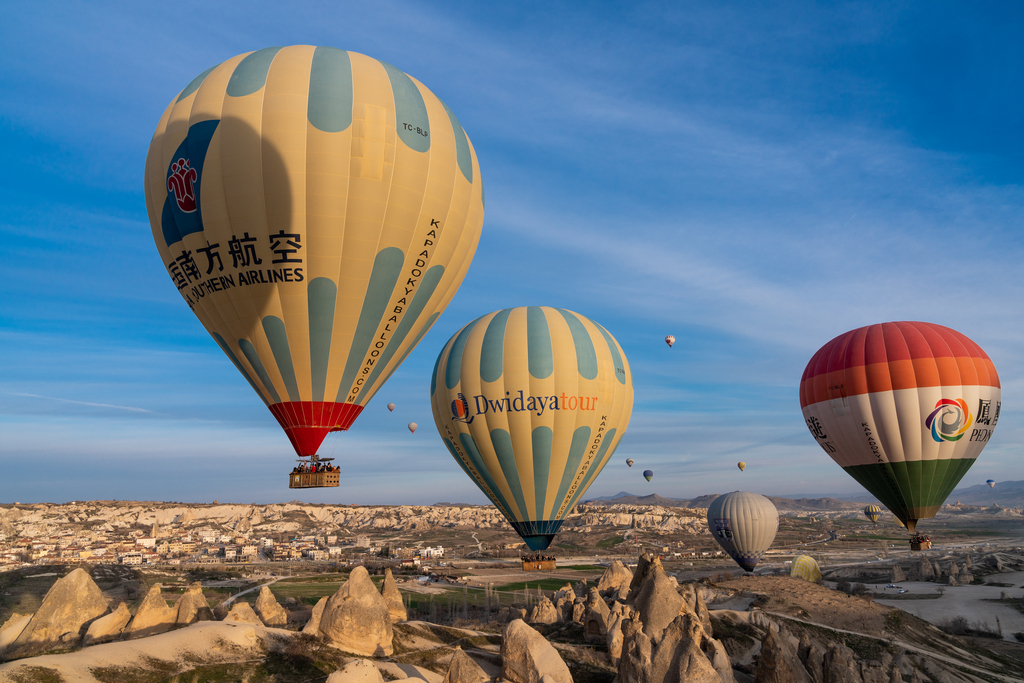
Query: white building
x=432 y=552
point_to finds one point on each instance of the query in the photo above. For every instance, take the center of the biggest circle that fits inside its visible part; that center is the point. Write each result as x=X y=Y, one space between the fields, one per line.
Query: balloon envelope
x=873 y=512
x=629 y=462
x=532 y=403
x=991 y=483
x=391 y=407
x=744 y=524
x=670 y=340
x=806 y=567
x=412 y=427
x=317 y=209
x=741 y=465
x=905 y=408
x=648 y=475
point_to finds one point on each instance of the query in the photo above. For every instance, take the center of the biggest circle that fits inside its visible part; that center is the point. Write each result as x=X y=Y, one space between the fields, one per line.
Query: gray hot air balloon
x=744 y=524
x=629 y=462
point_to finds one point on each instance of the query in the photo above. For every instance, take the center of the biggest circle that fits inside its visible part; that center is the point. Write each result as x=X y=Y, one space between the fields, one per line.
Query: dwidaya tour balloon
x=806 y=567
x=744 y=524
x=648 y=475
x=873 y=512
x=629 y=462
x=532 y=403
x=316 y=209
x=904 y=408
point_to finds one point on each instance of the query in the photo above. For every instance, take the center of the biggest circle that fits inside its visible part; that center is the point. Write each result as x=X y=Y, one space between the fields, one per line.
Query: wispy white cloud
x=86 y=403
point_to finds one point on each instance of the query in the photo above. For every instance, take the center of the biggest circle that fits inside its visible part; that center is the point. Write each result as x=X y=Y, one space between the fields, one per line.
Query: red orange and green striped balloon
x=905 y=408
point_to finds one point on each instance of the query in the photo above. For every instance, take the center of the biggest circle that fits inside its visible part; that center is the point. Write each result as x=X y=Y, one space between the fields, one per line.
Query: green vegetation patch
x=610 y=542
x=548 y=584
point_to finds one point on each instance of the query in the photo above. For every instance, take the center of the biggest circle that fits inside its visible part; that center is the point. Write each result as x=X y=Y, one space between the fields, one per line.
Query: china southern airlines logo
x=460 y=410
x=182 y=183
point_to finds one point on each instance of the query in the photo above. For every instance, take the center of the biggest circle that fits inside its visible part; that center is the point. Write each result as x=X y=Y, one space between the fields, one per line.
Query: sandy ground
x=207 y=642
x=806 y=600
x=968 y=601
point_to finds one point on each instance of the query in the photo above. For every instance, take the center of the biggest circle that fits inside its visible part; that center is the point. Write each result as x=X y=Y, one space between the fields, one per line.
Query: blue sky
x=752 y=178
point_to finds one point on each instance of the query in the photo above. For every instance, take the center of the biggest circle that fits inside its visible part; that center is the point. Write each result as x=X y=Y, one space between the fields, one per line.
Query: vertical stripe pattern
x=905 y=408
x=528 y=393
x=317 y=209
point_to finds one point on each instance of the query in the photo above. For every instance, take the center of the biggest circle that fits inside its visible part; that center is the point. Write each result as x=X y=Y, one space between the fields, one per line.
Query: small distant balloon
x=648 y=475
x=391 y=407
x=873 y=512
x=991 y=483
x=670 y=340
x=629 y=461
x=741 y=465
x=412 y=427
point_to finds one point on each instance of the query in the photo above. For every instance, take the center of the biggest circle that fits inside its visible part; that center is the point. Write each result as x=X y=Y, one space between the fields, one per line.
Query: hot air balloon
x=873 y=512
x=744 y=524
x=670 y=340
x=412 y=427
x=648 y=475
x=316 y=209
x=629 y=462
x=741 y=465
x=806 y=567
x=991 y=483
x=391 y=407
x=905 y=408
x=532 y=403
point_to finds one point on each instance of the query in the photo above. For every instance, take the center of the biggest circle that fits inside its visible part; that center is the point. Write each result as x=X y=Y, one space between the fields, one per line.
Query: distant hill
x=1007 y=494
x=784 y=504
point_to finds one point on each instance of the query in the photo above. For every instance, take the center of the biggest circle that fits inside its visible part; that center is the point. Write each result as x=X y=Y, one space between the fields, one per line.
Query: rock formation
x=778 y=662
x=657 y=600
x=109 y=627
x=356 y=618
x=635 y=662
x=595 y=621
x=11 y=629
x=313 y=625
x=678 y=657
x=269 y=610
x=463 y=669
x=841 y=665
x=242 y=613
x=71 y=603
x=526 y=656
x=616 y=575
x=153 y=616
x=389 y=591
x=544 y=612
x=192 y=606
x=357 y=671
x=897 y=574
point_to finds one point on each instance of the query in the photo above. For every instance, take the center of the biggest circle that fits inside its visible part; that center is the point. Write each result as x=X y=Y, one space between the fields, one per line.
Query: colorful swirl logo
x=950 y=420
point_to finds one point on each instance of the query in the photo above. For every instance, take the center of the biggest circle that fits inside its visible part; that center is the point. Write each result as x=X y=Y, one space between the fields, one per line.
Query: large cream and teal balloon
x=317 y=209
x=532 y=403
